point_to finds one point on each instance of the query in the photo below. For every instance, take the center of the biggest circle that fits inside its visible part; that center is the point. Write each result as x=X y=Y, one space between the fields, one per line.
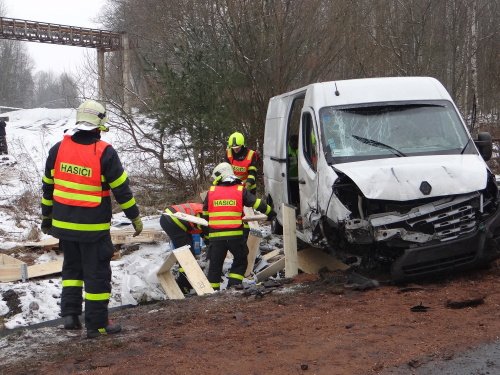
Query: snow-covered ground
x=30 y=134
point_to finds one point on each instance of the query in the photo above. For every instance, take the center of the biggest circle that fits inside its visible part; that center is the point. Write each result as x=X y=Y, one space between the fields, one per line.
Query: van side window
x=310 y=141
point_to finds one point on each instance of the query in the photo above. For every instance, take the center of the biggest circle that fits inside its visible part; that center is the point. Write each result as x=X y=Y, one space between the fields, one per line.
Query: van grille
x=448 y=223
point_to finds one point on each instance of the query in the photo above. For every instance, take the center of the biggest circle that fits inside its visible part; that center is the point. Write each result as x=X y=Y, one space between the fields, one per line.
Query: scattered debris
x=469 y=302
x=419 y=308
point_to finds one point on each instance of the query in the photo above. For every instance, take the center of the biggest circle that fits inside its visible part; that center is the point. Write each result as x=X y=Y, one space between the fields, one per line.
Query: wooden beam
x=290 y=240
x=253 y=244
x=192 y=271
x=45 y=269
x=10 y=268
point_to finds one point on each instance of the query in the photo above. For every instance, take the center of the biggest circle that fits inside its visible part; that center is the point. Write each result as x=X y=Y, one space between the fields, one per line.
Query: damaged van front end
x=425 y=233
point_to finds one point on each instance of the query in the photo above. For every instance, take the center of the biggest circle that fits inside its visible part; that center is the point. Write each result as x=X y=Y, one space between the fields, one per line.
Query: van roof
x=372 y=90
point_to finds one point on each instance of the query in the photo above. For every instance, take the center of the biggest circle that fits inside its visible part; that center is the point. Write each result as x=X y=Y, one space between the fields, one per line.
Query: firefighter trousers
x=87 y=264
x=218 y=251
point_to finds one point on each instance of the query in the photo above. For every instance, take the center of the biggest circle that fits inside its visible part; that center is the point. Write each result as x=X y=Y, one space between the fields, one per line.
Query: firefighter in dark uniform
x=181 y=233
x=243 y=160
x=223 y=208
x=80 y=172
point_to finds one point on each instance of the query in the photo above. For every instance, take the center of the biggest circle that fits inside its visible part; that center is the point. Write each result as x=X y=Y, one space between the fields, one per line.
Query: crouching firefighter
x=80 y=172
x=223 y=208
x=181 y=233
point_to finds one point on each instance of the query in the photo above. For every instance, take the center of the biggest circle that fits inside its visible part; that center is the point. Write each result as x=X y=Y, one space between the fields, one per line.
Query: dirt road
x=310 y=326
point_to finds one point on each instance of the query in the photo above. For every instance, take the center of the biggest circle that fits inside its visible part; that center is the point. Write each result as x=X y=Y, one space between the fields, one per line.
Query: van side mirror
x=484 y=144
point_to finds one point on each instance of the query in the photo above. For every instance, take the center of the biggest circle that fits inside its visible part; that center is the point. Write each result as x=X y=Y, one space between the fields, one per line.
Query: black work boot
x=72 y=322
x=108 y=330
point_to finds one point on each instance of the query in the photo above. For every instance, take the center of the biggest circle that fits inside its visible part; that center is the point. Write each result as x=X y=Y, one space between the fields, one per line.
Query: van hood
x=404 y=178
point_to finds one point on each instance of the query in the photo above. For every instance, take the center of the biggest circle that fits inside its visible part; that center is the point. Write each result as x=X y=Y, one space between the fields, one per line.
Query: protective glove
x=272 y=215
x=46 y=225
x=137 y=223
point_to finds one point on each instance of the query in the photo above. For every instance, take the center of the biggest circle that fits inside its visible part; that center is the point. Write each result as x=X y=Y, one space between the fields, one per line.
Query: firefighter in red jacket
x=223 y=208
x=181 y=233
x=80 y=172
x=243 y=161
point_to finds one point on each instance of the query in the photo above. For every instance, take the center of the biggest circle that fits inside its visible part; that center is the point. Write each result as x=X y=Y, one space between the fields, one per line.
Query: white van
x=387 y=171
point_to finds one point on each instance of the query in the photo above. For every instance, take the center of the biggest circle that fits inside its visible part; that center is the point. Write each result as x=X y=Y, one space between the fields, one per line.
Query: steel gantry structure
x=102 y=40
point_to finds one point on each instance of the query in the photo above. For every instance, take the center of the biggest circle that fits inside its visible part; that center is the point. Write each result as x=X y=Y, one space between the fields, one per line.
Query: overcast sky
x=57 y=58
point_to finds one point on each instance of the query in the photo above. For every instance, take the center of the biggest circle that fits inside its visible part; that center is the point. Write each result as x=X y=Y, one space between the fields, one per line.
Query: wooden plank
x=167 y=279
x=190 y=218
x=45 y=269
x=253 y=244
x=248 y=211
x=118 y=237
x=10 y=268
x=271 y=254
x=311 y=260
x=193 y=272
x=290 y=240
x=254 y=217
x=272 y=270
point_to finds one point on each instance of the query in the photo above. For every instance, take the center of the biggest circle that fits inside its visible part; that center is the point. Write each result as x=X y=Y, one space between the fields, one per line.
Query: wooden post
x=126 y=73
x=290 y=240
x=100 y=73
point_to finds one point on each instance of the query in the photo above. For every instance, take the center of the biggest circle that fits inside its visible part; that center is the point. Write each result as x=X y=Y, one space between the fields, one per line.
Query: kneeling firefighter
x=182 y=233
x=223 y=208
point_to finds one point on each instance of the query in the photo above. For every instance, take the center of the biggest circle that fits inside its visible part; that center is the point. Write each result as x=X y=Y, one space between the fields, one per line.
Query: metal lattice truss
x=59 y=34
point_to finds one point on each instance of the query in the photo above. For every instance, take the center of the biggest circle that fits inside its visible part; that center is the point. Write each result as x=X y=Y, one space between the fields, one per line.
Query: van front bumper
x=474 y=250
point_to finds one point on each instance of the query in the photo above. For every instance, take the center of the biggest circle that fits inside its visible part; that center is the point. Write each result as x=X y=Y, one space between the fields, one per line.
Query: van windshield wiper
x=465 y=147
x=375 y=143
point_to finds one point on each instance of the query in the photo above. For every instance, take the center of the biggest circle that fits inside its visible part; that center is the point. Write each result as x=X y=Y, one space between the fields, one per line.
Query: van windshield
x=351 y=133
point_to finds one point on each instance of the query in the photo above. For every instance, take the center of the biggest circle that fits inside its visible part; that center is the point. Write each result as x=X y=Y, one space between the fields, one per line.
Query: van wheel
x=276 y=227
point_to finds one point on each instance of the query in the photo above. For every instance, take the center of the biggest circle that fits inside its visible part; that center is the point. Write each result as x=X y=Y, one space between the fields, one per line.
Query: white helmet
x=221 y=172
x=91 y=115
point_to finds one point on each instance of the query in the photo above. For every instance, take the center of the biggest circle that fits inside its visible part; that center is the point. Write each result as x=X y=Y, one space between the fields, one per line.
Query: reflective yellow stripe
x=102 y=331
x=47 y=202
x=257 y=203
x=235 y=276
x=128 y=204
x=97 y=296
x=181 y=270
x=77 y=197
x=80 y=227
x=76 y=186
x=240 y=187
x=222 y=222
x=212 y=188
x=250 y=154
x=120 y=180
x=215 y=285
x=226 y=234
x=103 y=179
x=250 y=187
x=77 y=283
x=52 y=173
x=176 y=221
x=251 y=177
x=205 y=213
x=47 y=180
x=225 y=213
x=268 y=209
x=246 y=226
x=252 y=168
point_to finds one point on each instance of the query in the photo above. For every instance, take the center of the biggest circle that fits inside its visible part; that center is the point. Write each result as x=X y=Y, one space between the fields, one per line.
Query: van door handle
x=302 y=181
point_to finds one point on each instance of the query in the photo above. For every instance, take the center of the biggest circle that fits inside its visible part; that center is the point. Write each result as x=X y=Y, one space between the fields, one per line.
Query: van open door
x=308 y=167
